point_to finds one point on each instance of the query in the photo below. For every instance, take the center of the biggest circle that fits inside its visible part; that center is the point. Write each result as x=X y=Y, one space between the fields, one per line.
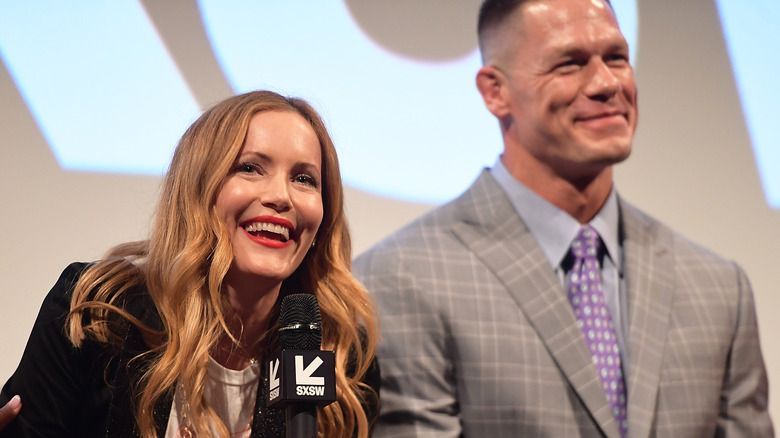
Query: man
x=495 y=320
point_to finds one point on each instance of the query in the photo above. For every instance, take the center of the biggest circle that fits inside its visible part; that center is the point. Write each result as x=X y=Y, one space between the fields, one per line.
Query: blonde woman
x=165 y=337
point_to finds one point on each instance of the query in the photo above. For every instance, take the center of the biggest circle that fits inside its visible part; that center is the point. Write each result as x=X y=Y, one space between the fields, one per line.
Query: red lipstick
x=261 y=237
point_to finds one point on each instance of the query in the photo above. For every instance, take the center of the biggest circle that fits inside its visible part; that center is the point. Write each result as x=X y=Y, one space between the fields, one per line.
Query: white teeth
x=271 y=228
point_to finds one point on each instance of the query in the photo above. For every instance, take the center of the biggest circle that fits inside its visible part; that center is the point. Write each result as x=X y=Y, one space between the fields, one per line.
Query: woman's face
x=271 y=201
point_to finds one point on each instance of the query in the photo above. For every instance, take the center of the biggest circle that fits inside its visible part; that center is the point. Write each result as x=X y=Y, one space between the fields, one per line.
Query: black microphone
x=301 y=377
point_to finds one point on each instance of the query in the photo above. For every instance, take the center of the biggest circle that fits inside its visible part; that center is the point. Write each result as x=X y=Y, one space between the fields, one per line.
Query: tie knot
x=585 y=245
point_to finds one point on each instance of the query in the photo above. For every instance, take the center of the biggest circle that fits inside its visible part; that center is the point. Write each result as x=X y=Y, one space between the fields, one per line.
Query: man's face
x=570 y=88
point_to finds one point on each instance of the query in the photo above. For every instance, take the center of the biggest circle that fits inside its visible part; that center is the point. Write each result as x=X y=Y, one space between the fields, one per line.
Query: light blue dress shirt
x=554 y=230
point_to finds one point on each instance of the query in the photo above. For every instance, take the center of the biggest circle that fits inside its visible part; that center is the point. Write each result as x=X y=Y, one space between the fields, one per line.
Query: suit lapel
x=496 y=235
x=649 y=270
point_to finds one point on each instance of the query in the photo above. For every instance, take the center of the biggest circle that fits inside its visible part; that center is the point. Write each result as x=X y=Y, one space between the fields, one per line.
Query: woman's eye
x=246 y=168
x=306 y=179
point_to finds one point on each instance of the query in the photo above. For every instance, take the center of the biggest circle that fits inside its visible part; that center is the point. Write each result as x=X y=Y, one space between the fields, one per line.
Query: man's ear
x=491 y=85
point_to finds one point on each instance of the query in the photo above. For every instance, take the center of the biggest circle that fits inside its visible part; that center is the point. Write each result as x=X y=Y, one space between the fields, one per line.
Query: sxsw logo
x=273 y=380
x=302 y=376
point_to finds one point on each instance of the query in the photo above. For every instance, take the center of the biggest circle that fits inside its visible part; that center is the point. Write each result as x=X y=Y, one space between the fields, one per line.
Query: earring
x=314 y=242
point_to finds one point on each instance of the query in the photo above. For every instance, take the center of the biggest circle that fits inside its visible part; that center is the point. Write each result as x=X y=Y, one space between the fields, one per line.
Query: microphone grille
x=299 y=322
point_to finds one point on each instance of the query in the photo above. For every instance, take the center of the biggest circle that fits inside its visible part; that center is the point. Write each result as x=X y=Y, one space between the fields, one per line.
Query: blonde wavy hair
x=183 y=263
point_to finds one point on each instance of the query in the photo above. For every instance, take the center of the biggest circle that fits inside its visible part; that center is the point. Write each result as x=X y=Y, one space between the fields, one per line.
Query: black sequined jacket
x=86 y=391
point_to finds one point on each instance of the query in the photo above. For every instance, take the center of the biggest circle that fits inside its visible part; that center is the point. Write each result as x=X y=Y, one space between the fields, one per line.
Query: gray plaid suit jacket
x=479 y=340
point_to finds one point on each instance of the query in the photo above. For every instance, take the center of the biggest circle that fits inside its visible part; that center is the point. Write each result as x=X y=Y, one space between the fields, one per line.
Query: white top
x=230 y=393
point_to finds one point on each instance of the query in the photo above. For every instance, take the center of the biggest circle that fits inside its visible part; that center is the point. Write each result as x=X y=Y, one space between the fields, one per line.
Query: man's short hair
x=493 y=12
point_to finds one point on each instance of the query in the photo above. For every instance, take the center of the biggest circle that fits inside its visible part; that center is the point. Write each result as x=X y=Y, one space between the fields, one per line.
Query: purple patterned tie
x=590 y=308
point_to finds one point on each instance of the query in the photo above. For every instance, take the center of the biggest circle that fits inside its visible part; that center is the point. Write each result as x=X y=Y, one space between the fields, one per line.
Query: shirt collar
x=553 y=228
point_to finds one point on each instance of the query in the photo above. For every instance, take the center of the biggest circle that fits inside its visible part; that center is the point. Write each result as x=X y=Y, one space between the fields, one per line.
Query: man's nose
x=602 y=81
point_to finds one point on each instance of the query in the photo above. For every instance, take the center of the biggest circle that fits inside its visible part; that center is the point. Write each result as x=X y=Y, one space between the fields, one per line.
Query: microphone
x=301 y=377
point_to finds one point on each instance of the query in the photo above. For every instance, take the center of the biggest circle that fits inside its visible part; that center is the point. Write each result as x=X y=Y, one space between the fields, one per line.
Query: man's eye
x=617 y=60
x=568 y=66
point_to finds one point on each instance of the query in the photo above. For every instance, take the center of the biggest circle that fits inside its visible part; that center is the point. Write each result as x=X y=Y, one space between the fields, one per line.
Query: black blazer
x=87 y=391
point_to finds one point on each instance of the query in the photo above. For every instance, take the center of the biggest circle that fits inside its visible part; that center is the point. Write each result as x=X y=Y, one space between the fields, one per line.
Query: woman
x=164 y=337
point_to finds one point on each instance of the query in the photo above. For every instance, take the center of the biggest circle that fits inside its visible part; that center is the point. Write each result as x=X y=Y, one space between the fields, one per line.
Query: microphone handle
x=301 y=420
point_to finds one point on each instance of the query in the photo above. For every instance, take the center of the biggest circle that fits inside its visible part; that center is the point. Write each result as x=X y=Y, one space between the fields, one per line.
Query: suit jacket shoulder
x=435 y=233
x=62 y=386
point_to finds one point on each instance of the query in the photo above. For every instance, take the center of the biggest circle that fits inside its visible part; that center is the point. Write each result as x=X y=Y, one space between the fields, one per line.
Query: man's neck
x=581 y=198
